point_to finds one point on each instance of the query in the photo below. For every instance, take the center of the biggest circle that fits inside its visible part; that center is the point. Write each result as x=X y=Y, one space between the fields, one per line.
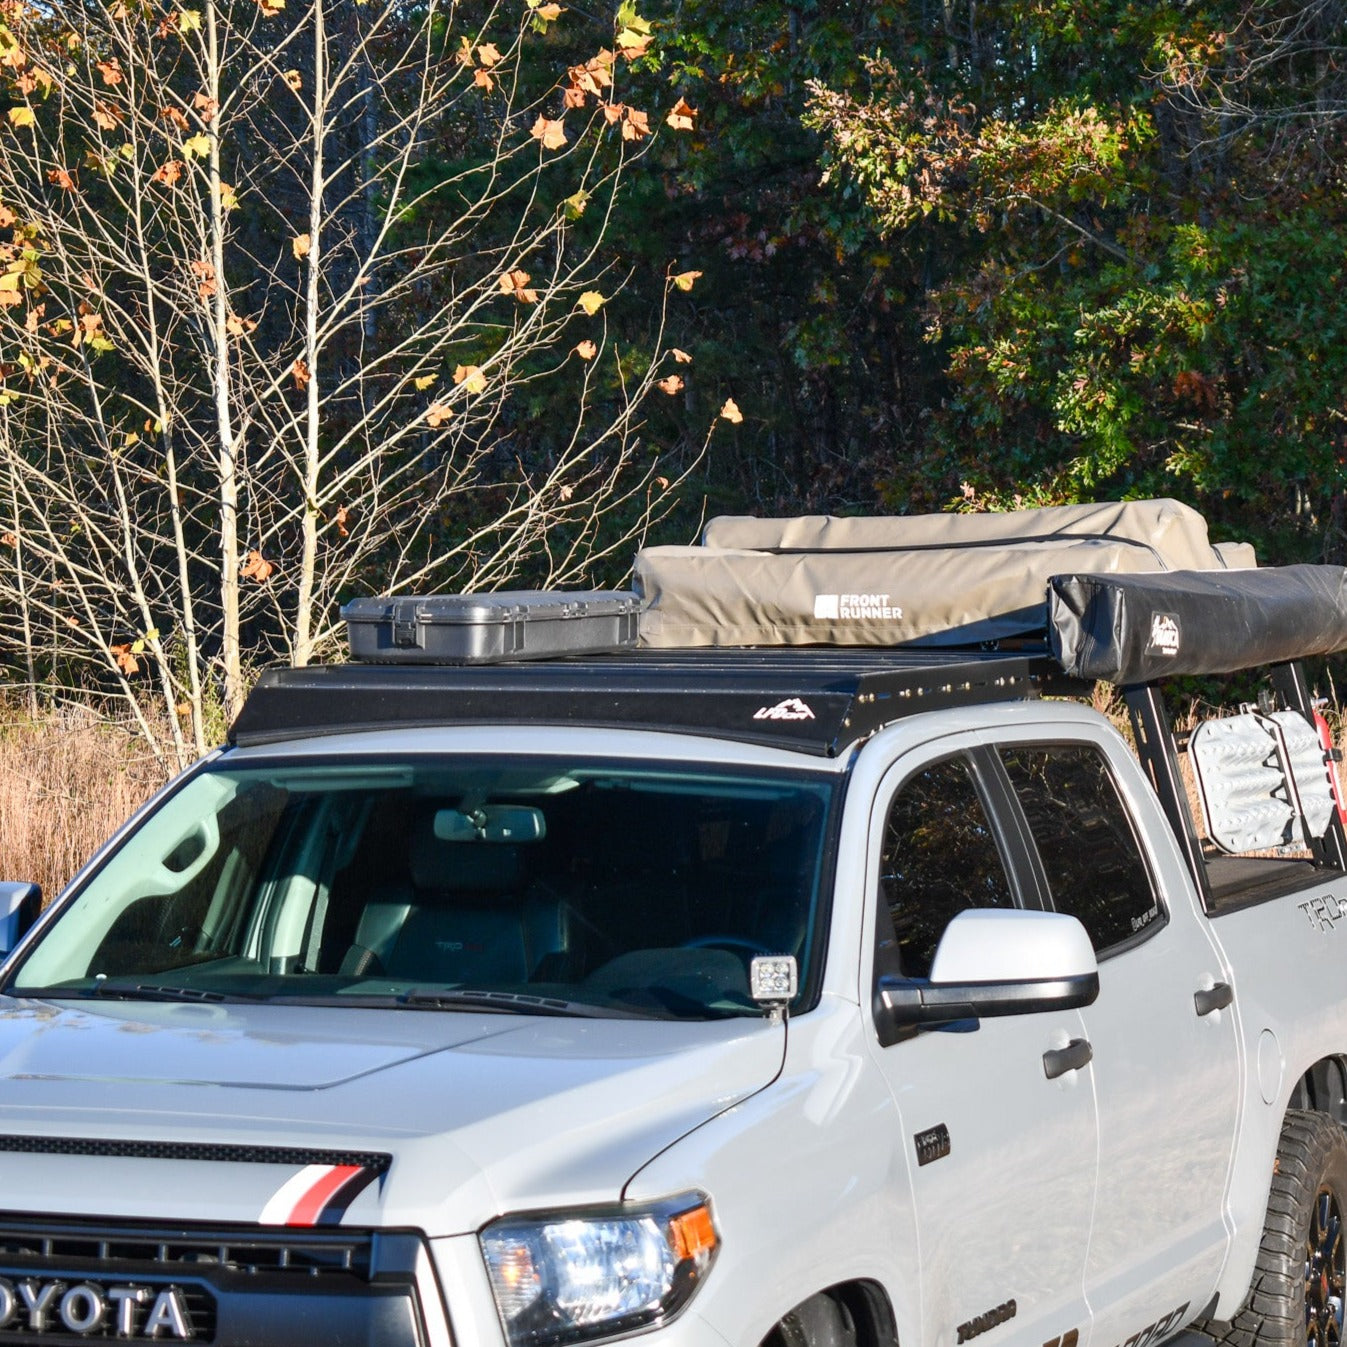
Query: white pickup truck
x=803 y=997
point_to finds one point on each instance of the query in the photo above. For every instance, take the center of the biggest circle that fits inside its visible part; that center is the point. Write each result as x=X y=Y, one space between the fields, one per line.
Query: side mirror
x=994 y=962
x=19 y=906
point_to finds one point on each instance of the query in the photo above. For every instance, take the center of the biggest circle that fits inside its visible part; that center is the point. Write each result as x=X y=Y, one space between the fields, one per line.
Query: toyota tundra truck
x=501 y=988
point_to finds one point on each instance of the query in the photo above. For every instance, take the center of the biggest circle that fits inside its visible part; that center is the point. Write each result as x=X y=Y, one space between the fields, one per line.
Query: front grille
x=181 y=1250
x=209 y=1277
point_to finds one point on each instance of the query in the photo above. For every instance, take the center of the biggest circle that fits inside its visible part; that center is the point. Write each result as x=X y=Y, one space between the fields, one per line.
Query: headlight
x=574 y=1276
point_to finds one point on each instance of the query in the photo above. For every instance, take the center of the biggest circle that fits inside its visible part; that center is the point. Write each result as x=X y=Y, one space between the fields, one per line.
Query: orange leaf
x=635 y=125
x=123 y=658
x=437 y=414
x=302 y=374
x=62 y=179
x=662 y=483
x=294 y=80
x=681 y=357
x=681 y=117
x=594 y=76
x=573 y=97
x=612 y=112
x=207 y=107
x=731 y=413
x=586 y=350
x=488 y=55
x=9 y=540
x=632 y=44
x=177 y=117
x=111 y=72
x=685 y=280
x=7 y=217
x=551 y=132
x=238 y=327
x=342 y=515
x=482 y=79
x=105 y=117
x=301 y=245
x=516 y=283
x=256 y=567
x=549 y=13
x=168 y=173
x=671 y=385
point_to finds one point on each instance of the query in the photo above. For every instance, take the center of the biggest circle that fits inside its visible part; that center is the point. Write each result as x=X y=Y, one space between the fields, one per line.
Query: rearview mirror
x=491 y=823
x=994 y=962
x=19 y=905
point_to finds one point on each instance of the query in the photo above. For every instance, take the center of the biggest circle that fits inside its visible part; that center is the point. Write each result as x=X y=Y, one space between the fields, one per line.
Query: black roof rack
x=802 y=698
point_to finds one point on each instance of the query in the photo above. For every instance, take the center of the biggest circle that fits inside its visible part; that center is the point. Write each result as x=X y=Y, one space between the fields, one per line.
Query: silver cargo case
x=488 y=628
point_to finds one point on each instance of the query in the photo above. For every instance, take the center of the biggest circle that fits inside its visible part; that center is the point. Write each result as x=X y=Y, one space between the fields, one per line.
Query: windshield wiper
x=149 y=991
x=518 y=1002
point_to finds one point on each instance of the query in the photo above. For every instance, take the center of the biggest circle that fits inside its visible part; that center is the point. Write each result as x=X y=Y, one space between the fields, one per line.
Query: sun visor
x=1135 y=628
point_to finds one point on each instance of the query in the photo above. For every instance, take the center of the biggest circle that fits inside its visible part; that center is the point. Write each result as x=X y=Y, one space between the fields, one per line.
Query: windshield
x=538 y=885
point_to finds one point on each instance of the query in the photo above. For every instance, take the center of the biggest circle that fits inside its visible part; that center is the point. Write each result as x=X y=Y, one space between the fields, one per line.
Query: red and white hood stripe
x=317 y=1195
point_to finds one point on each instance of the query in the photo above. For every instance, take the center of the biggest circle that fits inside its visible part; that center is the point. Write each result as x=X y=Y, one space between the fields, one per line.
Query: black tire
x=820 y=1321
x=1300 y=1279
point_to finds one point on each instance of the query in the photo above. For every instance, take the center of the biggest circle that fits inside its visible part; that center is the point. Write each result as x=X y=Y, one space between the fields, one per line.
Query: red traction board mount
x=1332 y=756
x=489 y=628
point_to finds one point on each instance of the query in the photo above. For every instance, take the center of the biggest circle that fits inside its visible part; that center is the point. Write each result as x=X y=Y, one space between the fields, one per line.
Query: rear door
x=1166 y=1065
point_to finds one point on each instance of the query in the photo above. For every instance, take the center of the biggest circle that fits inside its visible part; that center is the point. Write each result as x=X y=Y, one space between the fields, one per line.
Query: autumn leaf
x=301 y=245
x=573 y=97
x=189 y=21
x=671 y=385
x=437 y=414
x=168 y=173
x=177 y=117
x=549 y=13
x=731 y=413
x=685 y=280
x=551 y=132
x=123 y=658
x=228 y=197
x=612 y=112
x=105 y=117
x=464 y=53
x=482 y=79
x=681 y=117
x=240 y=327
x=662 y=483
x=302 y=374
x=293 y=80
x=633 y=44
x=682 y=357
x=205 y=106
x=111 y=72
x=9 y=540
x=60 y=178
x=488 y=54
x=256 y=567
x=424 y=382
x=594 y=76
x=340 y=519
x=586 y=350
x=206 y=283
x=635 y=125
x=471 y=377
x=7 y=217
x=591 y=301
x=516 y=283
x=21 y=116
x=575 y=204
x=271 y=8
x=198 y=145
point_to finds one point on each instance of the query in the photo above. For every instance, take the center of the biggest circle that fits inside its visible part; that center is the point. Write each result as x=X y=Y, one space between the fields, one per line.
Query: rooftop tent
x=919 y=580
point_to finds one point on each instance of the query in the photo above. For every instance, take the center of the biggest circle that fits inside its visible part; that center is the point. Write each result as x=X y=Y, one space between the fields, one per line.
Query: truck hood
x=297 y=1115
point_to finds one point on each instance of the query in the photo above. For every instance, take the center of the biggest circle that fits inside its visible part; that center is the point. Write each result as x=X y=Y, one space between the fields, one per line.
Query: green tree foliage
x=1139 y=225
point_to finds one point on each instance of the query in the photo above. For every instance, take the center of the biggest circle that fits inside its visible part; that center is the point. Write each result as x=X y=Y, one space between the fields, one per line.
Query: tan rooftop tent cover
x=921 y=579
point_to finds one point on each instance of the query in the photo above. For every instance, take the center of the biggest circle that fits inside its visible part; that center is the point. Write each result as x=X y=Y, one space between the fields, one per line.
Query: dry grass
x=67 y=781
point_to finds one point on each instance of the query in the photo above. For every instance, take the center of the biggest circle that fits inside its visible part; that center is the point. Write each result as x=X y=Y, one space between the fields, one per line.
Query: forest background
x=306 y=300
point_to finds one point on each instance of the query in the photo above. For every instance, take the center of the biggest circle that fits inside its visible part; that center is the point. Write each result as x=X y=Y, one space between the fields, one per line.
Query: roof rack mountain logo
x=855 y=608
x=791 y=709
x=1164 y=634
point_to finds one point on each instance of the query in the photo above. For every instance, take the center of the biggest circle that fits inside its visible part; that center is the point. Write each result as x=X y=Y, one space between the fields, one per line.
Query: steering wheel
x=734 y=943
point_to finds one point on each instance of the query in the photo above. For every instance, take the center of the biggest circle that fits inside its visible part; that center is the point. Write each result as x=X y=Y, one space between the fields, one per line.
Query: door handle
x=1058 y=1061
x=1213 y=998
